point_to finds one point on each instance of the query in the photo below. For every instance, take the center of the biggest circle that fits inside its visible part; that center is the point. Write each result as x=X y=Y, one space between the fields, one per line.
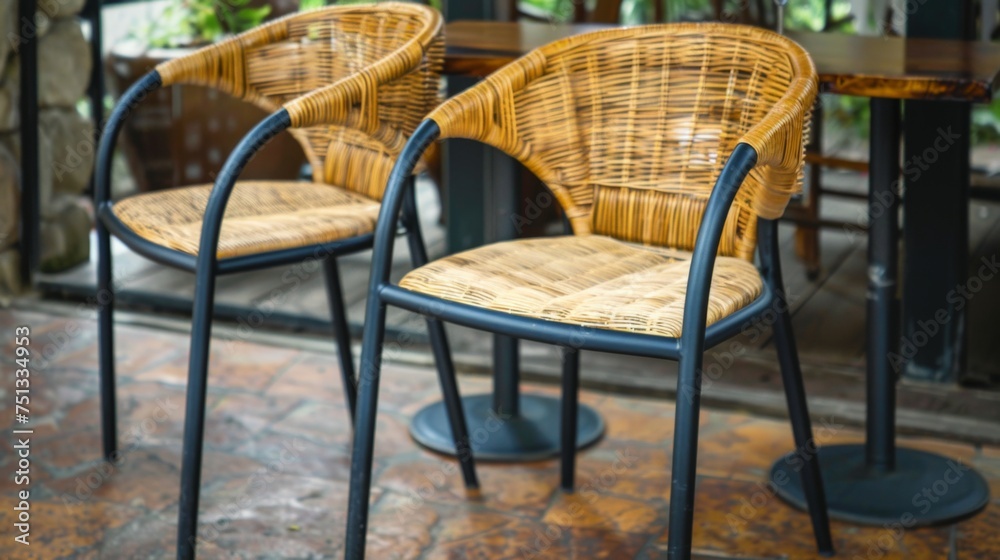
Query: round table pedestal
x=532 y=434
x=924 y=489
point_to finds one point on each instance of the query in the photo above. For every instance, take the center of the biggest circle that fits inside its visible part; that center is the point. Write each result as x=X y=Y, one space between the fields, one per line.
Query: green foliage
x=200 y=22
x=986 y=123
x=193 y=23
x=802 y=14
x=811 y=14
x=849 y=113
x=550 y=6
x=312 y=4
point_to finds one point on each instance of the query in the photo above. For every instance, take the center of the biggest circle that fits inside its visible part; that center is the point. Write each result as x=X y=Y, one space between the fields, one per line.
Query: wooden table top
x=889 y=67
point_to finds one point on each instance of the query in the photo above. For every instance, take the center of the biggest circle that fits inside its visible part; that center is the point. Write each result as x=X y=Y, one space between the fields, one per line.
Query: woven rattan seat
x=586 y=280
x=262 y=216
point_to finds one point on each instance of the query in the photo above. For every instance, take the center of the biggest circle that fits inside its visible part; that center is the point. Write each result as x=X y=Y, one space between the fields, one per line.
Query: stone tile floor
x=276 y=469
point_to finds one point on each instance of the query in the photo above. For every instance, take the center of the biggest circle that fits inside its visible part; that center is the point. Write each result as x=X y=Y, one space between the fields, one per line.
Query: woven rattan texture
x=631 y=127
x=586 y=280
x=356 y=81
x=262 y=216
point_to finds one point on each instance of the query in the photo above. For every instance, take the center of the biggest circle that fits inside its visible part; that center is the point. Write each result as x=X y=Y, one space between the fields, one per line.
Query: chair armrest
x=106 y=149
x=221 y=65
x=215 y=209
x=392 y=202
x=779 y=140
x=218 y=65
x=706 y=248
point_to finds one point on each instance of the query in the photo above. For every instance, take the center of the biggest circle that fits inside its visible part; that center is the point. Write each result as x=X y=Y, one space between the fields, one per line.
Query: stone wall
x=66 y=147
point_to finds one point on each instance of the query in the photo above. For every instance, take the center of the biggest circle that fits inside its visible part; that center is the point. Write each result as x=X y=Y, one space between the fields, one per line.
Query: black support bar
x=95 y=91
x=883 y=307
x=936 y=229
x=27 y=50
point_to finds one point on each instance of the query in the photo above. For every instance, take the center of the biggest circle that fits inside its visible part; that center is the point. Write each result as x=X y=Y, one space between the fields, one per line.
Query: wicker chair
x=630 y=129
x=351 y=84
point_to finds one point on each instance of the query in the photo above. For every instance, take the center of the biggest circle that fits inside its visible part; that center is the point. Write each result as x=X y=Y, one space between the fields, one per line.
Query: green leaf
x=209 y=25
x=252 y=17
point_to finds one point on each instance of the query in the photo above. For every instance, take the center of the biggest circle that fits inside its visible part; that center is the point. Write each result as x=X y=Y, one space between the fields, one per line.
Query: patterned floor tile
x=277 y=466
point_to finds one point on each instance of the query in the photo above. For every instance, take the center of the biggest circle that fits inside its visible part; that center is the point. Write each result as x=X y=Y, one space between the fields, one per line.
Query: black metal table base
x=876 y=482
x=923 y=489
x=530 y=435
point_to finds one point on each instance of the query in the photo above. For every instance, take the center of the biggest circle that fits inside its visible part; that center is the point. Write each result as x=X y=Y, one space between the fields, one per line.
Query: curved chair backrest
x=389 y=55
x=631 y=127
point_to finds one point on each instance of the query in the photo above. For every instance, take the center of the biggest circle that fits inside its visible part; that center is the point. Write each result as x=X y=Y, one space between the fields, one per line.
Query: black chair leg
x=798 y=411
x=194 y=416
x=364 y=429
x=812 y=481
x=453 y=402
x=570 y=398
x=106 y=343
x=791 y=374
x=338 y=316
x=442 y=352
x=685 y=456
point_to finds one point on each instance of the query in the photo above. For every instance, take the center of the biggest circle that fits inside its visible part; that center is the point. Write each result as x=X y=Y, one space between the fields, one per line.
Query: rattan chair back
x=387 y=57
x=630 y=127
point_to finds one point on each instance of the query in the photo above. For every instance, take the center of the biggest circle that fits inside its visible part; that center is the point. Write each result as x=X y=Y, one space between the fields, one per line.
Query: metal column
x=27 y=50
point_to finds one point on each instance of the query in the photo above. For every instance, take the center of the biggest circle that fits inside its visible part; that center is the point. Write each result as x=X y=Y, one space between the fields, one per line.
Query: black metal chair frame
x=687 y=349
x=206 y=267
